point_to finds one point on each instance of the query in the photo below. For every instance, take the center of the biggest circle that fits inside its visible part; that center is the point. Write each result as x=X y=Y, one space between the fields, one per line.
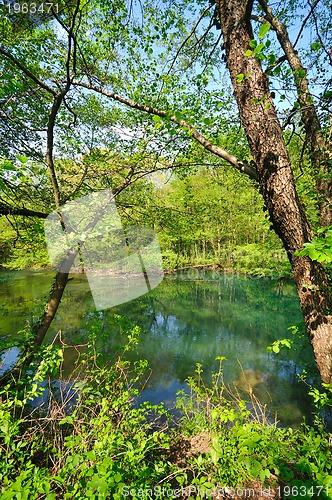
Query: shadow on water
x=191 y=317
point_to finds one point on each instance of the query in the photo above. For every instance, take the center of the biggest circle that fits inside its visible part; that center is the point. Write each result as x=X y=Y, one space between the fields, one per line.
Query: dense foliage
x=91 y=439
x=134 y=96
x=197 y=220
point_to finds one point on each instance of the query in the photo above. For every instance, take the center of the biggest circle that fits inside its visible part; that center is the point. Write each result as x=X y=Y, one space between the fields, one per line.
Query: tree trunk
x=41 y=328
x=319 y=149
x=263 y=130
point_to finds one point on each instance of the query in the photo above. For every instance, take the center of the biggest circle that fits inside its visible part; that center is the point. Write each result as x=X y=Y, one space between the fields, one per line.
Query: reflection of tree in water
x=192 y=318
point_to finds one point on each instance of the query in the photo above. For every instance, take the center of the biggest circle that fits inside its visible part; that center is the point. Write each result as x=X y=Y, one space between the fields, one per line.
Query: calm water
x=191 y=317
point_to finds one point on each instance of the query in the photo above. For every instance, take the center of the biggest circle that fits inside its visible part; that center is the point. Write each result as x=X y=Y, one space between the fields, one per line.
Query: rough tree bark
x=260 y=122
x=316 y=143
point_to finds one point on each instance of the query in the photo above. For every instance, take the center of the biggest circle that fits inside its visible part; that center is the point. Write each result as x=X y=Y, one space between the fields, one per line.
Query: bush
x=92 y=439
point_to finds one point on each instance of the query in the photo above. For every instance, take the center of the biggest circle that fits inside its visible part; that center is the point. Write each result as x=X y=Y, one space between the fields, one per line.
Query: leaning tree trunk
x=263 y=130
x=40 y=329
x=319 y=149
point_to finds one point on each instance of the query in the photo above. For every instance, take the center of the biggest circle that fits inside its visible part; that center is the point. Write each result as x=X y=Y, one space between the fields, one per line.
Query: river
x=192 y=317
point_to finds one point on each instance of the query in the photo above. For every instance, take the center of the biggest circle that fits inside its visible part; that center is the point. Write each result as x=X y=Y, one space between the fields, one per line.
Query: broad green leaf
x=313 y=254
x=259 y=48
x=263 y=30
x=315 y=46
x=22 y=159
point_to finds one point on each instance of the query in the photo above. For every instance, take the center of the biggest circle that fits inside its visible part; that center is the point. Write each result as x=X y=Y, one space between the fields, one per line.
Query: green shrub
x=94 y=440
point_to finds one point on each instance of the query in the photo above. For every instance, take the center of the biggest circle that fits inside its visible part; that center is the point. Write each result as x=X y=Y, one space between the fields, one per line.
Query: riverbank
x=106 y=446
x=256 y=259
x=110 y=446
x=192 y=316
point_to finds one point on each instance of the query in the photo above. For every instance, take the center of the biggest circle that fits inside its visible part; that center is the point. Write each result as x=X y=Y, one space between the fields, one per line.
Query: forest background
x=204 y=211
x=212 y=124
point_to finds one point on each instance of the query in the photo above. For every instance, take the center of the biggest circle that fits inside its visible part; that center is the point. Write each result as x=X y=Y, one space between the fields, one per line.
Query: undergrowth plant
x=246 y=446
x=92 y=440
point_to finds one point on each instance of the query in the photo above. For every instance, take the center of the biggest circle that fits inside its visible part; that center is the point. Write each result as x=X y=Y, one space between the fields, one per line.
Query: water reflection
x=191 y=317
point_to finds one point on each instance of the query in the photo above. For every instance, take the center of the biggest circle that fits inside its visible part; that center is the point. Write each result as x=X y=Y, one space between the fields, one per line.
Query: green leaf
x=117 y=477
x=259 y=48
x=91 y=455
x=240 y=77
x=263 y=474
x=272 y=57
x=9 y=166
x=263 y=30
x=315 y=46
x=300 y=73
x=22 y=159
x=248 y=53
x=313 y=254
x=156 y=118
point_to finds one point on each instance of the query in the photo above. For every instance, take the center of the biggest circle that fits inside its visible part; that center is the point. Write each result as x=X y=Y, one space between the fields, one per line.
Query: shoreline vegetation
x=251 y=259
x=91 y=439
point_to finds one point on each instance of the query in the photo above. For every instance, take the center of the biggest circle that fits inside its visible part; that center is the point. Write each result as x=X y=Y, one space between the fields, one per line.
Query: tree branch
x=7 y=210
x=59 y=98
x=243 y=166
x=187 y=38
x=327 y=52
x=248 y=12
x=27 y=72
x=305 y=20
x=320 y=154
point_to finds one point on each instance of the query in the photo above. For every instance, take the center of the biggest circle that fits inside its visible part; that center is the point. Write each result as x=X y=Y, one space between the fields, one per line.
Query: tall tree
x=154 y=71
x=271 y=164
x=260 y=122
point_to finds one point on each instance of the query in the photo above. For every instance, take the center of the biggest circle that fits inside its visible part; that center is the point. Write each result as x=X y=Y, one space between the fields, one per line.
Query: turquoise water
x=191 y=317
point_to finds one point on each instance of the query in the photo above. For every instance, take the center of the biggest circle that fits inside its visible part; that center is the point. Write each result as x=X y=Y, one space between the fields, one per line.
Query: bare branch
x=277 y=63
x=187 y=38
x=320 y=154
x=327 y=52
x=306 y=20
